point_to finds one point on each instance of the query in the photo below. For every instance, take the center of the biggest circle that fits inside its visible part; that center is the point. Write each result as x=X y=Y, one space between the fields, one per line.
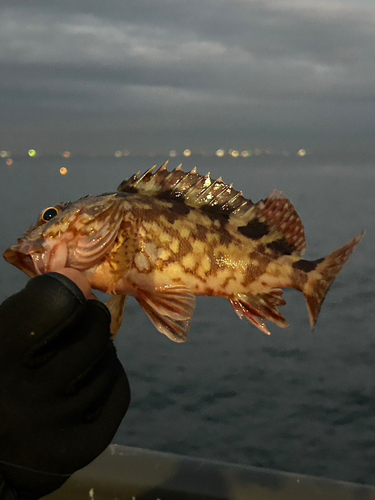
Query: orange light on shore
x=66 y=154
x=9 y=162
x=63 y=170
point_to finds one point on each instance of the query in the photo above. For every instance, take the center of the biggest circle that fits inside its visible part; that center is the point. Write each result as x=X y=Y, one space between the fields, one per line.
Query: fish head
x=74 y=235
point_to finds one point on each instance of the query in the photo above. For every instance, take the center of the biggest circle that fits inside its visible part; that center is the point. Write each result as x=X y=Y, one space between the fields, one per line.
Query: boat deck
x=125 y=473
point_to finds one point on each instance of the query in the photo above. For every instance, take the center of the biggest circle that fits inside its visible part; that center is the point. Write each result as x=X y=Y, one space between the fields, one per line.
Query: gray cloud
x=161 y=73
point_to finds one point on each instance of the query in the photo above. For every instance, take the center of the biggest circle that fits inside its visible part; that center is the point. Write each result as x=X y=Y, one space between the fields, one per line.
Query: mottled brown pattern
x=254 y=229
x=179 y=207
x=253 y=271
x=280 y=246
x=201 y=232
x=225 y=236
x=307 y=265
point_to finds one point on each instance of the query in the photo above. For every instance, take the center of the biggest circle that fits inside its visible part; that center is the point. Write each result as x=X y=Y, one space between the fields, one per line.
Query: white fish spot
x=151 y=250
x=141 y=262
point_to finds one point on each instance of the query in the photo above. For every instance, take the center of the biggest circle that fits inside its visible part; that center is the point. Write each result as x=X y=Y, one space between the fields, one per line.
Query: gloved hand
x=63 y=392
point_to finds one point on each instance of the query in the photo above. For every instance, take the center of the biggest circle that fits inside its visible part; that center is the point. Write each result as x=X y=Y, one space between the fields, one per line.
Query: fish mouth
x=21 y=260
x=37 y=260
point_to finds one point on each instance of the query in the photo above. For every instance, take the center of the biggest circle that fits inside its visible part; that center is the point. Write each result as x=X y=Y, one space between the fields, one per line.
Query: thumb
x=80 y=280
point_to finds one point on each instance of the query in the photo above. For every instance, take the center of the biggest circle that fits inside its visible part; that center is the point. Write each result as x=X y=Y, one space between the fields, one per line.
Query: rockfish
x=166 y=237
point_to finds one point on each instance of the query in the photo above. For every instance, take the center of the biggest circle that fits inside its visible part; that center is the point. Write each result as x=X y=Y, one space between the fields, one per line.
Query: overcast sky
x=89 y=75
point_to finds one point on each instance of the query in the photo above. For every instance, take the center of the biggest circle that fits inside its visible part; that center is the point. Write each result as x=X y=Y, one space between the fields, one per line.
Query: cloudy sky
x=95 y=76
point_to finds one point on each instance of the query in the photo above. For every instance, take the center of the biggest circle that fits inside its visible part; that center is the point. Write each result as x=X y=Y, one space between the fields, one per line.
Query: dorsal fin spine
x=181 y=182
x=195 y=190
x=233 y=199
x=202 y=195
x=194 y=187
x=214 y=201
x=148 y=173
x=164 y=166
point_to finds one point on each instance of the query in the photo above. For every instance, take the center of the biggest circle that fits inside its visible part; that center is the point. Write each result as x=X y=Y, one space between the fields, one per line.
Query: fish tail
x=322 y=274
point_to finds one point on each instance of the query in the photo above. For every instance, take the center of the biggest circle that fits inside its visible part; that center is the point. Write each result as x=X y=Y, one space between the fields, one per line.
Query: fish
x=166 y=237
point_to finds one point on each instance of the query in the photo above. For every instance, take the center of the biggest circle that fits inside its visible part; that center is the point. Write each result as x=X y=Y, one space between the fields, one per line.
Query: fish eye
x=49 y=213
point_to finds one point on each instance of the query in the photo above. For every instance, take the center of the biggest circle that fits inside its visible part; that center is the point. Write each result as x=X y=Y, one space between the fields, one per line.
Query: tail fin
x=321 y=278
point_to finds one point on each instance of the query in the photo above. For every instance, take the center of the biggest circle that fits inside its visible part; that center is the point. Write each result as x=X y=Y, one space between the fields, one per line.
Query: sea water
x=292 y=401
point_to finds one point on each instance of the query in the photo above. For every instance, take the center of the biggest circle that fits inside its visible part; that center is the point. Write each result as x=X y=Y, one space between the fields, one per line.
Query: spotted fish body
x=166 y=237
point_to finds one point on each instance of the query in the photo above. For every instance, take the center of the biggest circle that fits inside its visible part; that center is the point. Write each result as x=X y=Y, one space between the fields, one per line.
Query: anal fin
x=116 y=305
x=170 y=309
x=258 y=308
x=250 y=314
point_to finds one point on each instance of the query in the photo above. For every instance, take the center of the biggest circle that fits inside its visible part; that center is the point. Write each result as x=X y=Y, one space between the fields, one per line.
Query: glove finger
x=65 y=357
x=94 y=414
x=116 y=406
x=89 y=392
x=46 y=304
x=98 y=432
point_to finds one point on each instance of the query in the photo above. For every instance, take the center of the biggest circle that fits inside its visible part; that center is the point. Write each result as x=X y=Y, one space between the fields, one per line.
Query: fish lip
x=21 y=260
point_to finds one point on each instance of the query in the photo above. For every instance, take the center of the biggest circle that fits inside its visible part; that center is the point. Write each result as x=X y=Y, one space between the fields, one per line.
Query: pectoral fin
x=170 y=309
x=116 y=305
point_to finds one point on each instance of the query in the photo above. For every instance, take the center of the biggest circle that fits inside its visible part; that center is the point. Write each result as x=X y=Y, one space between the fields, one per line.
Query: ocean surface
x=292 y=401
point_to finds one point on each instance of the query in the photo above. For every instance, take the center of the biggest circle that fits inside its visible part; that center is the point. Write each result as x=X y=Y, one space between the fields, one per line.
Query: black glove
x=63 y=392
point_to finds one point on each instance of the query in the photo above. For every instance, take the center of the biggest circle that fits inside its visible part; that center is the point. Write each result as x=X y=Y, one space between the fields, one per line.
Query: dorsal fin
x=193 y=189
x=276 y=222
x=275 y=218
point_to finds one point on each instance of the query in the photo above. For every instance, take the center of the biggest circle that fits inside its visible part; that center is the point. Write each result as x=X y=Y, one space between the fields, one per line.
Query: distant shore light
x=63 y=170
x=220 y=153
x=172 y=153
x=301 y=152
x=31 y=153
x=4 y=154
x=66 y=154
x=234 y=153
x=9 y=162
x=118 y=153
x=126 y=152
x=246 y=153
x=187 y=152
